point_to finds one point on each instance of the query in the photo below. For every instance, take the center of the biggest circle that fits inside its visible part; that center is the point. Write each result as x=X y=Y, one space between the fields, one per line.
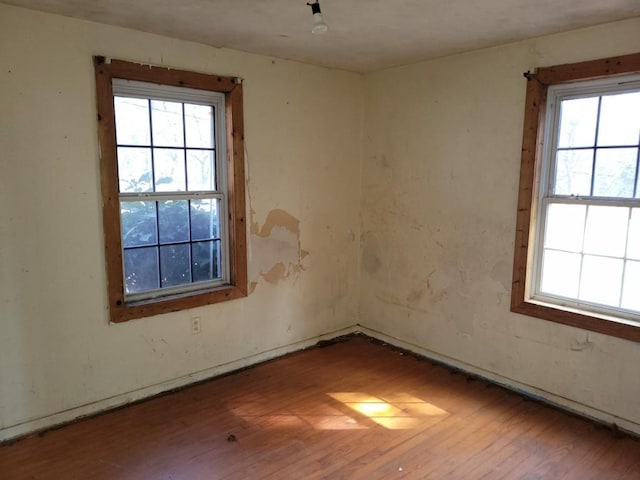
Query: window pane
x=138 y=221
x=633 y=243
x=560 y=273
x=175 y=265
x=620 y=119
x=134 y=169
x=199 y=125
x=631 y=288
x=201 y=170
x=601 y=280
x=565 y=227
x=169 y=170
x=204 y=219
x=166 y=118
x=141 y=269
x=173 y=221
x=578 y=122
x=132 y=121
x=206 y=261
x=573 y=172
x=606 y=230
x=615 y=173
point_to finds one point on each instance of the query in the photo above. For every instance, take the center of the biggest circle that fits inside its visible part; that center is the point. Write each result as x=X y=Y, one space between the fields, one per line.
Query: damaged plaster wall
x=303 y=152
x=440 y=182
x=429 y=264
x=275 y=252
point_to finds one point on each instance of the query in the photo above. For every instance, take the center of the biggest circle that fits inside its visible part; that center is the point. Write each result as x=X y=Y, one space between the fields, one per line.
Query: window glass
x=141 y=269
x=578 y=119
x=204 y=219
x=615 y=172
x=593 y=288
x=565 y=227
x=201 y=170
x=205 y=261
x=138 y=221
x=631 y=287
x=560 y=273
x=574 y=169
x=173 y=221
x=132 y=121
x=633 y=241
x=175 y=265
x=167 y=121
x=619 y=120
x=199 y=126
x=169 y=170
x=606 y=230
x=135 y=170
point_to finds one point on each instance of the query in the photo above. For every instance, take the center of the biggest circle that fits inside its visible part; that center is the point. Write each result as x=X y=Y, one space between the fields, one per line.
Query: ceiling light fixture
x=318 y=22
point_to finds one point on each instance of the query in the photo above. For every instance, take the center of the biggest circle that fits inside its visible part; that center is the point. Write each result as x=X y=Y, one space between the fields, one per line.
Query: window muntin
x=171 y=206
x=589 y=203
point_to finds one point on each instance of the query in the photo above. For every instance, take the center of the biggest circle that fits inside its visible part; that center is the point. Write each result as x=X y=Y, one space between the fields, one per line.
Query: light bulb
x=318 y=24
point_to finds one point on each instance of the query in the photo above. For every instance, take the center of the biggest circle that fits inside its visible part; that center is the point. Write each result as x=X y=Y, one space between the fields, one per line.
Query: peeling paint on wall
x=275 y=218
x=275 y=274
x=276 y=250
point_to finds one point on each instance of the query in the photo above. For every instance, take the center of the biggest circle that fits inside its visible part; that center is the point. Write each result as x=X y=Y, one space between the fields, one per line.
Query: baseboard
x=60 y=418
x=537 y=394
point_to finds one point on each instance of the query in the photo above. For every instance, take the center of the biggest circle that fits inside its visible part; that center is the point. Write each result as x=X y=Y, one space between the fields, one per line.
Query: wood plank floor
x=355 y=409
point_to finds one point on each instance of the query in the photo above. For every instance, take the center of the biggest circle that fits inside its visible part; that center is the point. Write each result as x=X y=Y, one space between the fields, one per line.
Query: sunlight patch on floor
x=353 y=411
x=396 y=411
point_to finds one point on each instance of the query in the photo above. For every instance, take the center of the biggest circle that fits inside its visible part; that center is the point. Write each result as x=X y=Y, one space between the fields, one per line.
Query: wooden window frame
x=530 y=178
x=105 y=72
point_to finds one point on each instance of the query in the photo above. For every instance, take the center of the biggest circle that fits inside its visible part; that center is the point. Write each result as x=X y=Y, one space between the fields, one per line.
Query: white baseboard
x=521 y=388
x=59 y=418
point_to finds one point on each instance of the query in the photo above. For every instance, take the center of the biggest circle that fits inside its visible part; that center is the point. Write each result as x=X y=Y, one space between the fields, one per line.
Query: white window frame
x=151 y=91
x=555 y=95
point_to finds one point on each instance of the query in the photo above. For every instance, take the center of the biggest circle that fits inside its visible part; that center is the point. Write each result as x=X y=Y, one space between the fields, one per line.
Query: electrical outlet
x=196 y=325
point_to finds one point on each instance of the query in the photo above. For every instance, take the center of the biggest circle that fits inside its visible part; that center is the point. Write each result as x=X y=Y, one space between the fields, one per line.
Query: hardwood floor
x=355 y=409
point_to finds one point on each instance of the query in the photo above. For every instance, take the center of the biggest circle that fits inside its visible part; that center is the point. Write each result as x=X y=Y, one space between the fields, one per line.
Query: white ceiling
x=364 y=35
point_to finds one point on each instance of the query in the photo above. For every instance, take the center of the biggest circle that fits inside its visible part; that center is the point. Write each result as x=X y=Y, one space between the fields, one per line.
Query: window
x=172 y=173
x=577 y=254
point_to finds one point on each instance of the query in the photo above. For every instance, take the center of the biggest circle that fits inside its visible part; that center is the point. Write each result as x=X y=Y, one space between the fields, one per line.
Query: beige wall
x=440 y=178
x=437 y=159
x=57 y=350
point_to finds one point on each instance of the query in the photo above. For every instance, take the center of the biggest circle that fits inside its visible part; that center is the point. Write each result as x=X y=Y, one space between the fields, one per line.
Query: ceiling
x=364 y=35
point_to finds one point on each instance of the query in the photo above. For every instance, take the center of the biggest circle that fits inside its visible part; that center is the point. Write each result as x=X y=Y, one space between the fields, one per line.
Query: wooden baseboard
x=529 y=391
x=58 y=419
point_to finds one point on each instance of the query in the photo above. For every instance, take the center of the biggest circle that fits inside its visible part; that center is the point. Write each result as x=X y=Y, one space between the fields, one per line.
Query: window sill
x=607 y=325
x=156 y=306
